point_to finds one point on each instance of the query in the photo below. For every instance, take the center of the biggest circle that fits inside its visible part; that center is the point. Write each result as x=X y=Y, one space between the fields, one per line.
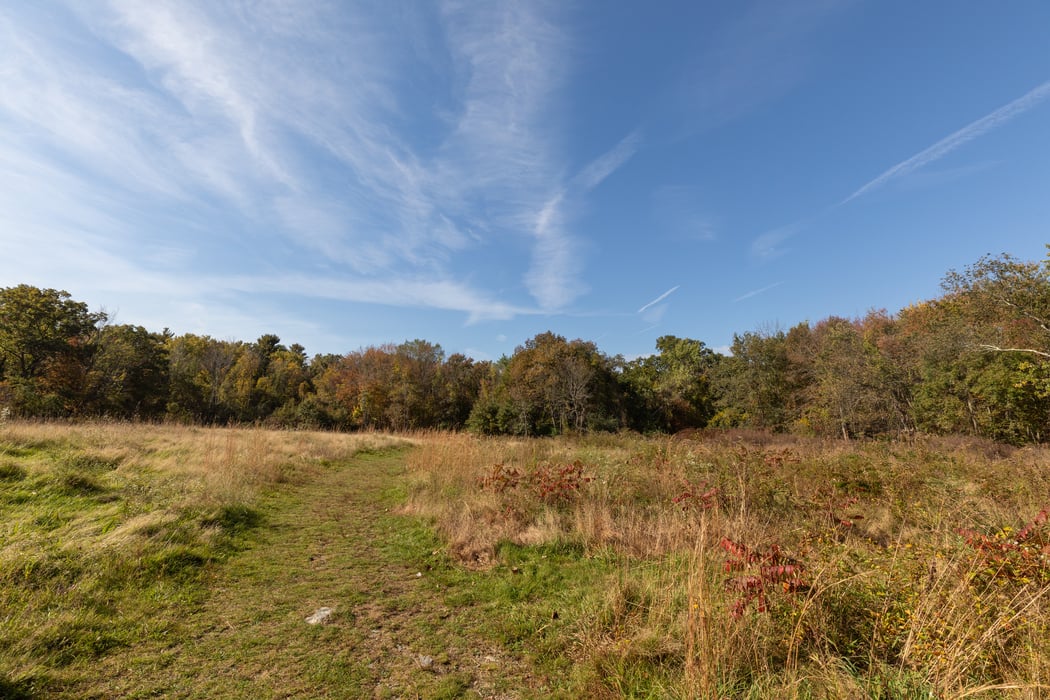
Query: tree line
x=975 y=360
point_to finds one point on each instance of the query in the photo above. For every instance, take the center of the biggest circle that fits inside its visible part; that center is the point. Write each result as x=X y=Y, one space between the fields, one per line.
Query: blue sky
x=353 y=173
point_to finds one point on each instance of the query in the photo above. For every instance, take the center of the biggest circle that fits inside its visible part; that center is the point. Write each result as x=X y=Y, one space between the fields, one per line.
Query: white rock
x=320 y=616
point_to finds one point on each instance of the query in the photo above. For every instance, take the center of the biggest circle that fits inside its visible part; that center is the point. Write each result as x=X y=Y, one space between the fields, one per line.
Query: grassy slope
x=226 y=617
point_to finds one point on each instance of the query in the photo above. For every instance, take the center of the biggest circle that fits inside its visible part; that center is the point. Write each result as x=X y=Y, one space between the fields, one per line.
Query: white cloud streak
x=502 y=155
x=964 y=135
x=756 y=292
x=555 y=279
x=660 y=298
x=768 y=245
x=192 y=107
x=599 y=169
x=445 y=295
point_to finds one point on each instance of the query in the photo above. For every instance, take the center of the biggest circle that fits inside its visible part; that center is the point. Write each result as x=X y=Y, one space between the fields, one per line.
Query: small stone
x=419 y=574
x=320 y=616
x=425 y=662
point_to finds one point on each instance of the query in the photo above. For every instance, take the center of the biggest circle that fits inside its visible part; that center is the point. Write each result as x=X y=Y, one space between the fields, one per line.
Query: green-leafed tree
x=754 y=382
x=550 y=385
x=672 y=389
x=986 y=352
x=285 y=385
x=844 y=395
x=459 y=386
x=237 y=395
x=266 y=377
x=492 y=413
x=198 y=370
x=896 y=371
x=47 y=341
x=1006 y=304
x=415 y=396
x=129 y=374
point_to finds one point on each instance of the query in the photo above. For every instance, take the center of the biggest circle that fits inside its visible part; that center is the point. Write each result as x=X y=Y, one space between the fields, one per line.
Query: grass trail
x=333 y=542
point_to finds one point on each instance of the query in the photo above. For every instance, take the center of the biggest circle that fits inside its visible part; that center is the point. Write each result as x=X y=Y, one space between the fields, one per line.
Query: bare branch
x=996 y=348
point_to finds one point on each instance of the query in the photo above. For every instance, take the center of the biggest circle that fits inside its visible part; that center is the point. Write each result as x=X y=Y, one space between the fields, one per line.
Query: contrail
x=756 y=292
x=660 y=298
x=963 y=135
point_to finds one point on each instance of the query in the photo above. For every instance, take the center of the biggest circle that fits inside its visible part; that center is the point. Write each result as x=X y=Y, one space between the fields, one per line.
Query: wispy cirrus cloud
x=503 y=155
x=445 y=295
x=554 y=279
x=768 y=245
x=950 y=143
x=602 y=167
x=501 y=159
x=302 y=124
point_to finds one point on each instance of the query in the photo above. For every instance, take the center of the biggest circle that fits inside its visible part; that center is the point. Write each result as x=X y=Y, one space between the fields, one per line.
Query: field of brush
x=721 y=565
x=745 y=565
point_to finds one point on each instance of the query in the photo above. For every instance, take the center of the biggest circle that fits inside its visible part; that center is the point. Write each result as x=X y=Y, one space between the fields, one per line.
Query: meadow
x=146 y=561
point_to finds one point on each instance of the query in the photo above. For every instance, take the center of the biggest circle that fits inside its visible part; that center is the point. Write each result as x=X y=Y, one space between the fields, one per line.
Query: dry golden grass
x=892 y=602
x=224 y=464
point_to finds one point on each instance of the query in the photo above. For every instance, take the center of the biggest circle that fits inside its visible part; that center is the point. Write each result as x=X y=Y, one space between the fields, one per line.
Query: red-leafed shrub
x=760 y=573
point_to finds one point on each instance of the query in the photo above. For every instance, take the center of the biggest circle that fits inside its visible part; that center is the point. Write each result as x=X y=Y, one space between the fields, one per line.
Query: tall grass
x=108 y=530
x=754 y=566
x=726 y=565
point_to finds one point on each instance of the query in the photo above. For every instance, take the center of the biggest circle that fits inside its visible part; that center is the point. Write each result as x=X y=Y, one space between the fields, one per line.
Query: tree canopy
x=975 y=360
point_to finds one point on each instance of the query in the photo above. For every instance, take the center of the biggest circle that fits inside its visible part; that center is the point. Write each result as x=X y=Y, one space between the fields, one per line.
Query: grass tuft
x=16 y=690
x=11 y=471
x=70 y=483
x=234 y=519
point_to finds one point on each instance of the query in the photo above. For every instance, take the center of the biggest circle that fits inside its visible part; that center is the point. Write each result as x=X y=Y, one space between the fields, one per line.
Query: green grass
x=69 y=597
x=124 y=578
x=158 y=562
x=106 y=552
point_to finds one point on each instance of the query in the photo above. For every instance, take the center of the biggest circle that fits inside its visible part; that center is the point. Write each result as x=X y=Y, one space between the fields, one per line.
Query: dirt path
x=399 y=627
